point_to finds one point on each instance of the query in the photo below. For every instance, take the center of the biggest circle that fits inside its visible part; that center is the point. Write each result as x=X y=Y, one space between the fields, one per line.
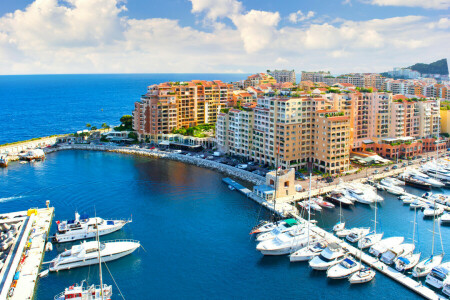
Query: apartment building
x=283 y=75
x=258 y=79
x=316 y=76
x=174 y=105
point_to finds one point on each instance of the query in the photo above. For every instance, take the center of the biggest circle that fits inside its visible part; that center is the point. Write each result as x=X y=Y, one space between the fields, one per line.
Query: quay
x=236 y=186
x=20 y=270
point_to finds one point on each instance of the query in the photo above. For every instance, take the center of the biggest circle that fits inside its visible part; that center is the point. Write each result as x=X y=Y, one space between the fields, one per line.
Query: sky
x=220 y=36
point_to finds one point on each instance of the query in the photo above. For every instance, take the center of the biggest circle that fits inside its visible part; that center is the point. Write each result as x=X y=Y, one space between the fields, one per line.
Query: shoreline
x=199 y=162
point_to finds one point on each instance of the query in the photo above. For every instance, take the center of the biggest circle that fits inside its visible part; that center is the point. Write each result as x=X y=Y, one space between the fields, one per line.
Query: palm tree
x=88 y=125
x=105 y=126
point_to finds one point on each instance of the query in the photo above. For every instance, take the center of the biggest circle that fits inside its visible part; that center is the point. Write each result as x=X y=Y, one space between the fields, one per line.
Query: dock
x=20 y=270
x=237 y=186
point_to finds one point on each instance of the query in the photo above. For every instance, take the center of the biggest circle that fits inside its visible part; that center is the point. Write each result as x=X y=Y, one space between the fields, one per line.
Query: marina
x=20 y=269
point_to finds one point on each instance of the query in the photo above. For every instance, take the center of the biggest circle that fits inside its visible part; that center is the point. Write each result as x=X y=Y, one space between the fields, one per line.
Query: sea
x=194 y=231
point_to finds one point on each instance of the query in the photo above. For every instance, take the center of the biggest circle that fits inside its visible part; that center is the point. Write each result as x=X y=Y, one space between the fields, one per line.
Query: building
x=173 y=105
x=404 y=73
x=258 y=79
x=283 y=75
x=445 y=121
x=316 y=76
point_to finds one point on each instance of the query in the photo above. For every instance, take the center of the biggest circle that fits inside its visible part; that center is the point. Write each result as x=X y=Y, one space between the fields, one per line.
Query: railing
x=122 y=240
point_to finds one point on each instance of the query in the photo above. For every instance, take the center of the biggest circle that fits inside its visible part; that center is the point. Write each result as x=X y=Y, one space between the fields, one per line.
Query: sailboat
x=92 y=292
x=373 y=238
x=407 y=262
x=310 y=250
x=364 y=274
x=424 y=267
x=341 y=225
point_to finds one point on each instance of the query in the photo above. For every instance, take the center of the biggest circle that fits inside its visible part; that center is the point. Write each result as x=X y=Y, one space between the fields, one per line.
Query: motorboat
x=325 y=204
x=339 y=198
x=390 y=185
x=438 y=275
x=425 y=178
x=345 y=232
x=407 y=262
x=314 y=206
x=440 y=198
x=356 y=235
x=33 y=154
x=393 y=253
x=408 y=200
x=83 y=227
x=87 y=254
x=359 y=195
x=391 y=181
x=84 y=292
x=4 y=160
x=362 y=276
x=344 y=269
x=232 y=188
x=269 y=226
x=308 y=252
x=369 y=240
x=446 y=287
x=417 y=204
x=445 y=219
x=385 y=244
x=339 y=226
x=436 y=171
x=433 y=210
x=331 y=256
x=424 y=267
x=281 y=228
x=284 y=243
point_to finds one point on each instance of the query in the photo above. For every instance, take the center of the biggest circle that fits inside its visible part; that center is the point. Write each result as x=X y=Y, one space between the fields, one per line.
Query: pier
x=21 y=267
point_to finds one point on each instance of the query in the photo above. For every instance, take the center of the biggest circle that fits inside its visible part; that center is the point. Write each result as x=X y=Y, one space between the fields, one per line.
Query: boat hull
x=64 y=238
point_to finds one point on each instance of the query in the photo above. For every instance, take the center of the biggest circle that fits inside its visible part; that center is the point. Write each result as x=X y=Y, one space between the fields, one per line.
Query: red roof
x=399 y=97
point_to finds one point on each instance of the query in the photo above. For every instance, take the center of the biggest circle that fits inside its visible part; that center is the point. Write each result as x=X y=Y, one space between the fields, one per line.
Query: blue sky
x=112 y=36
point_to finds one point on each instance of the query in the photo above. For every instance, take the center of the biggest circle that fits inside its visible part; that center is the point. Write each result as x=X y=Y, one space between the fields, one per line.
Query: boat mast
x=375 y=225
x=434 y=224
x=276 y=182
x=99 y=260
x=309 y=207
x=414 y=225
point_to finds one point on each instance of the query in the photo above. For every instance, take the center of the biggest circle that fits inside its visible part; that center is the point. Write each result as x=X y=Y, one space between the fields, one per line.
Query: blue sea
x=193 y=229
x=41 y=105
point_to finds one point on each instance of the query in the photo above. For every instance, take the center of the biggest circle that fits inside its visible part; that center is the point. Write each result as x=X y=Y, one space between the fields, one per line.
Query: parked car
x=375 y=172
x=386 y=169
x=242 y=166
x=410 y=162
x=404 y=165
x=395 y=167
x=210 y=157
x=329 y=179
x=423 y=160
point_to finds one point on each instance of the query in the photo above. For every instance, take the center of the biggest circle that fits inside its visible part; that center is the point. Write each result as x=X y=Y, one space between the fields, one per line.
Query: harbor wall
x=14 y=149
x=200 y=162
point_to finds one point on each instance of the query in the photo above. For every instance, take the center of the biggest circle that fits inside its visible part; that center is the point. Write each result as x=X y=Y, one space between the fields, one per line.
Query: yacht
x=359 y=195
x=391 y=186
x=87 y=254
x=83 y=227
x=362 y=276
x=445 y=219
x=438 y=275
x=435 y=171
x=344 y=269
x=392 y=254
x=307 y=204
x=407 y=262
x=284 y=243
x=339 y=198
x=391 y=181
x=385 y=244
x=283 y=227
x=345 y=232
x=369 y=240
x=408 y=200
x=331 y=256
x=414 y=174
x=33 y=154
x=424 y=267
x=356 y=235
x=446 y=288
x=325 y=204
x=417 y=204
x=308 y=252
x=83 y=292
x=433 y=210
x=269 y=226
x=3 y=160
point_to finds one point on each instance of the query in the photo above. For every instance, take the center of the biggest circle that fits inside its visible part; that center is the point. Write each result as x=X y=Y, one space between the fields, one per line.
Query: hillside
x=437 y=67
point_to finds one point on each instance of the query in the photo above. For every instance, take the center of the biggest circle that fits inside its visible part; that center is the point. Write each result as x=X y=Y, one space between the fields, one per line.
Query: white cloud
x=299 y=16
x=216 y=8
x=96 y=36
x=431 y=4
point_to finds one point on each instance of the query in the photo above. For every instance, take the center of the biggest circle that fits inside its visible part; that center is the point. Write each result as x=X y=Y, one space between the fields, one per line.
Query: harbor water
x=193 y=228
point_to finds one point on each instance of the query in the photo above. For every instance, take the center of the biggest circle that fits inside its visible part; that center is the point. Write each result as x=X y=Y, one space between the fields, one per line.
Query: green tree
x=133 y=135
x=88 y=125
x=105 y=126
x=93 y=128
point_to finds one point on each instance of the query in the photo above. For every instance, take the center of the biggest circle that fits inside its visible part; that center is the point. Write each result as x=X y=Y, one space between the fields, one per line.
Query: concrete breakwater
x=200 y=162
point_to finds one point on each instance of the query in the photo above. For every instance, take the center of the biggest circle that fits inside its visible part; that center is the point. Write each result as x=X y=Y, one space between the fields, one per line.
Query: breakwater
x=200 y=162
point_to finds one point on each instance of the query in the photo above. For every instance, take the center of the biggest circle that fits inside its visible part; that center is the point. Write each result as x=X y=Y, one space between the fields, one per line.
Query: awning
x=368 y=141
x=164 y=143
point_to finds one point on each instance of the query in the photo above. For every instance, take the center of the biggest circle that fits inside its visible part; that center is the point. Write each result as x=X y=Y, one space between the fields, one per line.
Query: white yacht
x=407 y=262
x=83 y=227
x=385 y=244
x=438 y=275
x=356 y=235
x=281 y=228
x=369 y=240
x=423 y=177
x=82 y=292
x=308 y=252
x=433 y=210
x=436 y=171
x=359 y=195
x=284 y=243
x=446 y=288
x=345 y=232
x=391 y=181
x=392 y=254
x=344 y=269
x=362 y=276
x=35 y=154
x=269 y=226
x=332 y=255
x=424 y=267
x=87 y=254
x=445 y=219
x=390 y=185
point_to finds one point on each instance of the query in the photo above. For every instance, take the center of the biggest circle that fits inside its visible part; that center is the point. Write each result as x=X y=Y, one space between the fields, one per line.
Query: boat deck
x=25 y=256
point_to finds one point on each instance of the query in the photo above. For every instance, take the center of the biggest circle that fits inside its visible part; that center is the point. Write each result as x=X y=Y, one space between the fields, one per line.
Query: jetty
x=236 y=186
x=20 y=270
